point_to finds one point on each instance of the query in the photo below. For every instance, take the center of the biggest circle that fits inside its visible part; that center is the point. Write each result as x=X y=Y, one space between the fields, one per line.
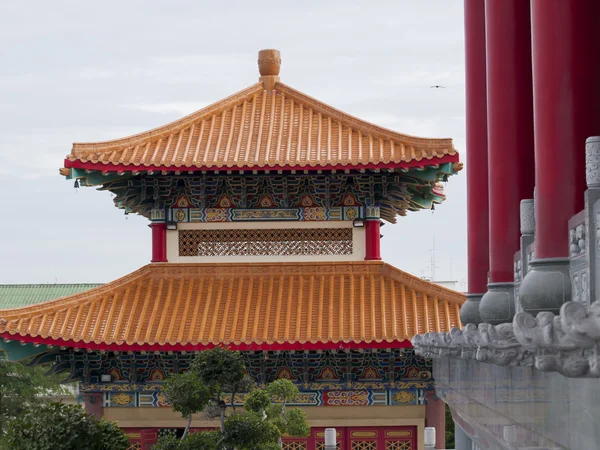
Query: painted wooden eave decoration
x=284 y=306
x=268 y=126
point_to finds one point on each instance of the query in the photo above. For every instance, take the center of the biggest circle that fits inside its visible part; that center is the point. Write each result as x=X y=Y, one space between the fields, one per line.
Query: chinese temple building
x=265 y=210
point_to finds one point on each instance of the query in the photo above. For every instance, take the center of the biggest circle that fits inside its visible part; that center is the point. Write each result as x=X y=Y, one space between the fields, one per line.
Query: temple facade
x=265 y=210
x=523 y=372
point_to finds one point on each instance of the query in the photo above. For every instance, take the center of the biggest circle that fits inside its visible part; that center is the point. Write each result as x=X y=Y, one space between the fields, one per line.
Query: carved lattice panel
x=320 y=445
x=398 y=445
x=135 y=446
x=364 y=445
x=293 y=445
x=292 y=241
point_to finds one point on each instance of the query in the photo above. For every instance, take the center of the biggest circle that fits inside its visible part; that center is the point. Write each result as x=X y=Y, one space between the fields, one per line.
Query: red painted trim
x=405 y=343
x=132 y=168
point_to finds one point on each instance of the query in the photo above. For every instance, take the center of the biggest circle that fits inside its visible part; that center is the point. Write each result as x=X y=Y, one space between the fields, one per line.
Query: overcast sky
x=73 y=71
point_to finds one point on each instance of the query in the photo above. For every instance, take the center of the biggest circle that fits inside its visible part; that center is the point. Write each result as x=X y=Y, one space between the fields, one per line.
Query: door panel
x=359 y=438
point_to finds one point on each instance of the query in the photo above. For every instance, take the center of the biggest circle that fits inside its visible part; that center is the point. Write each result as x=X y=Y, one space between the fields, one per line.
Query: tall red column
x=159 y=242
x=372 y=234
x=477 y=160
x=510 y=145
x=566 y=74
x=373 y=239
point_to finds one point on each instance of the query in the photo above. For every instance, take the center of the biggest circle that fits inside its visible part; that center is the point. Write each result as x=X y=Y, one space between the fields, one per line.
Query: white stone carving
x=568 y=343
x=577 y=240
x=527 y=216
x=592 y=161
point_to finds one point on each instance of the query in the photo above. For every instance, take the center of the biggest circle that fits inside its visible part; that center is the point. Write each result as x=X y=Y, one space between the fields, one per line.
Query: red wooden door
x=359 y=438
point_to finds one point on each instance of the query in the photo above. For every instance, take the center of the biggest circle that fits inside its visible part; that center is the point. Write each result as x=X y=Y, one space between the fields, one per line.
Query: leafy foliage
x=23 y=387
x=188 y=394
x=68 y=427
x=449 y=428
x=248 y=430
x=210 y=385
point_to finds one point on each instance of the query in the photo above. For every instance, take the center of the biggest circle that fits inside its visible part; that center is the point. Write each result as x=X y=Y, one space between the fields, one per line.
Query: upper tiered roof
x=264 y=127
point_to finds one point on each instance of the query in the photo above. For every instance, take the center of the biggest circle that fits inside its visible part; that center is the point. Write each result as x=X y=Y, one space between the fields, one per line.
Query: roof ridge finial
x=269 y=63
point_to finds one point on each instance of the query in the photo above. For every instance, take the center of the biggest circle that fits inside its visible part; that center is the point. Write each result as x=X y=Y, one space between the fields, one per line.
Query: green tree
x=216 y=377
x=222 y=371
x=56 y=425
x=271 y=403
x=449 y=428
x=23 y=387
x=187 y=394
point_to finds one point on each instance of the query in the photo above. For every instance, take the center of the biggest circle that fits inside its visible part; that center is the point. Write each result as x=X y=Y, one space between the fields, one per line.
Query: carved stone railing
x=568 y=343
x=578 y=249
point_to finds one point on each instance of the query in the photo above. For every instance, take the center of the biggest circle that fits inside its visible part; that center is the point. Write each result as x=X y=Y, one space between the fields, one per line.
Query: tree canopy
x=56 y=425
x=23 y=387
x=211 y=385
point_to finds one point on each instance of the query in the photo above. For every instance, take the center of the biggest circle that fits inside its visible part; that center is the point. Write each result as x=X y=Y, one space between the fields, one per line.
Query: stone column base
x=547 y=286
x=469 y=311
x=498 y=303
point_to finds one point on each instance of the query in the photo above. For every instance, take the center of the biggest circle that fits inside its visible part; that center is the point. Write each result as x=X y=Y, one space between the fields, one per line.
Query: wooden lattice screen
x=292 y=241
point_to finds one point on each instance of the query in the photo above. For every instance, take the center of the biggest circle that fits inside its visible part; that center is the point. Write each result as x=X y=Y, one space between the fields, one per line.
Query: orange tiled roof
x=268 y=125
x=252 y=306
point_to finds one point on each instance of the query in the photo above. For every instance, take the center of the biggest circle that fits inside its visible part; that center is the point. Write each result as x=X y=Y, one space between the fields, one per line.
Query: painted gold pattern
x=398 y=445
x=404 y=397
x=364 y=434
x=121 y=398
x=364 y=445
x=293 y=445
x=398 y=433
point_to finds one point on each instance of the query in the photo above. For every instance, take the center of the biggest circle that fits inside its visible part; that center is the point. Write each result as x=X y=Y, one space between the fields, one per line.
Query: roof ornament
x=269 y=63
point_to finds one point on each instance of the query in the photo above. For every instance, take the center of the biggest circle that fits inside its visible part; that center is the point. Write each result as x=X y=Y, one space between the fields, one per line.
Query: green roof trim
x=19 y=295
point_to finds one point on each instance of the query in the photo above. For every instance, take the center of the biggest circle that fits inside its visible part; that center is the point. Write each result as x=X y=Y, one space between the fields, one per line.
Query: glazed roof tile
x=18 y=295
x=251 y=306
x=268 y=125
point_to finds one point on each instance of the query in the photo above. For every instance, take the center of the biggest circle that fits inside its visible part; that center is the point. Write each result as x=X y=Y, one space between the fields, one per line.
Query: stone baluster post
x=592 y=219
x=527 y=219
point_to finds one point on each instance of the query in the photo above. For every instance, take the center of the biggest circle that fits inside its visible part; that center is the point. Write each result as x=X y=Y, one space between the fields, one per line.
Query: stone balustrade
x=568 y=342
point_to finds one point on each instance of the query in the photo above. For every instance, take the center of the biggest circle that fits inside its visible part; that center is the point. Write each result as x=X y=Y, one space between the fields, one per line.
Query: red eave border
x=289 y=346
x=109 y=167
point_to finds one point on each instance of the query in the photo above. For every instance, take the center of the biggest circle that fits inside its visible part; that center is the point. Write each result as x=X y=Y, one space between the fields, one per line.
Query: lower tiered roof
x=275 y=306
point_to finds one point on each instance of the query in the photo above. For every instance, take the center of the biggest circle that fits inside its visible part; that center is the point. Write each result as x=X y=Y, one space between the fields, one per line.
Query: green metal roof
x=18 y=295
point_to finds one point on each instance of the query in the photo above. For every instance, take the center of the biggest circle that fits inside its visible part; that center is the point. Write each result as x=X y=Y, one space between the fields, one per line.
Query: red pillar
x=566 y=70
x=373 y=239
x=94 y=405
x=510 y=128
x=477 y=159
x=566 y=49
x=510 y=145
x=435 y=416
x=159 y=242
